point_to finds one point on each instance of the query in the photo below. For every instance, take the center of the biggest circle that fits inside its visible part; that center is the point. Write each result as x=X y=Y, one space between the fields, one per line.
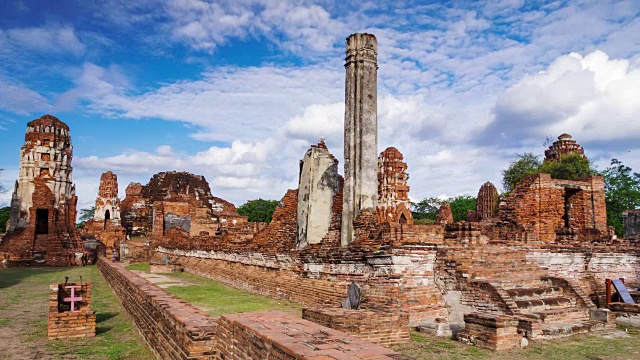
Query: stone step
x=546 y=303
x=534 y=292
x=563 y=316
x=568 y=329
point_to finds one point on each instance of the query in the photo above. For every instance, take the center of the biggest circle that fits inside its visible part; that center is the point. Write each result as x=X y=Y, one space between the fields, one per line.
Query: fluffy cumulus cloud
x=462 y=87
x=592 y=97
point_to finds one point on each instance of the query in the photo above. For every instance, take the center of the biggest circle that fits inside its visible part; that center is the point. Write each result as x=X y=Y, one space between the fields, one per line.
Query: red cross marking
x=73 y=299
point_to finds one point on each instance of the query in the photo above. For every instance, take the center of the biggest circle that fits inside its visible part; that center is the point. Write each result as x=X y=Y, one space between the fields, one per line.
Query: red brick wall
x=173 y=328
x=385 y=328
x=63 y=323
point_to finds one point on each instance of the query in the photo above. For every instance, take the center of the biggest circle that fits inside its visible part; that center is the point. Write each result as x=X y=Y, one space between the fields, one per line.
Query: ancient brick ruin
x=563 y=146
x=533 y=262
x=631 y=225
x=393 y=189
x=177 y=200
x=69 y=313
x=488 y=201
x=105 y=225
x=42 y=223
x=531 y=265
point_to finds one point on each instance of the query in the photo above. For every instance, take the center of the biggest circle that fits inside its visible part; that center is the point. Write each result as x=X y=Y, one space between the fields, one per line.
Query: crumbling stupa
x=41 y=227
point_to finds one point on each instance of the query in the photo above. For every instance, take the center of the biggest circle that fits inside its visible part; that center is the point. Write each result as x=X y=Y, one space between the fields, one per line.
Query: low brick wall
x=494 y=332
x=626 y=314
x=278 y=335
x=385 y=328
x=62 y=322
x=173 y=328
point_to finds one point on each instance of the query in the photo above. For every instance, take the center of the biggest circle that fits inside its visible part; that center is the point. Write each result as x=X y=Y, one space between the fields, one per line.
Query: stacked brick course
x=176 y=330
x=173 y=328
x=385 y=328
x=493 y=332
x=63 y=323
x=41 y=227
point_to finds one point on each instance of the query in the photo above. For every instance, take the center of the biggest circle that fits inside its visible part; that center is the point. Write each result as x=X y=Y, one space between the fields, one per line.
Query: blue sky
x=238 y=90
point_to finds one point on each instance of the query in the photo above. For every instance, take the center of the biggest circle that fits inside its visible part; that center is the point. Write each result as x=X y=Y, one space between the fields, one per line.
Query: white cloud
x=592 y=97
x=50 y=39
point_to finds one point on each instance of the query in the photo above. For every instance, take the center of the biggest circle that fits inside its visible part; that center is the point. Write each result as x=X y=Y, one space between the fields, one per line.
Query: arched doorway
x=107 y=217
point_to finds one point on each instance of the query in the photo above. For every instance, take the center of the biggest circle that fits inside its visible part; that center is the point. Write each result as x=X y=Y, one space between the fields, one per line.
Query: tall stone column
x=360 y=130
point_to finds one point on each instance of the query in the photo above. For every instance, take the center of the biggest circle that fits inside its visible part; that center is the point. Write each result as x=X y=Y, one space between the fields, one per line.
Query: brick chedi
x=488 y=201
x=318 y=183
x=41 y=226
x=393 y=190
x=360 y=131
x=107 y=202
x=105 y=225
x=565 y=145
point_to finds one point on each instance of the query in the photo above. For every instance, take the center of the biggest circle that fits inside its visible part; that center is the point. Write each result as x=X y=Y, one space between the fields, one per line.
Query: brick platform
x=175 y=329
x=63 y=323
x=278 y=335
x=385 y=328
x=494 y=332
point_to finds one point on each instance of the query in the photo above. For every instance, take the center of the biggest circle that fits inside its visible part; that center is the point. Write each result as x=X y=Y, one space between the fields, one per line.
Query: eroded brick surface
x=41 y=227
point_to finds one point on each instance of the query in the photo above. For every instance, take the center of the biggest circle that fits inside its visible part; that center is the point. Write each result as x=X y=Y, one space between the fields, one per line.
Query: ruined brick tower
x=565 y=145
x=41 y=226
x=107 y=202
x=488 y=201
x=393 y=190
x=360 y=131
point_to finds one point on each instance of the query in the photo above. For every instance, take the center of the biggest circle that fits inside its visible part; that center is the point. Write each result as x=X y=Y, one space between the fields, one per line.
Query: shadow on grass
x=102 y=317
x=13 y=276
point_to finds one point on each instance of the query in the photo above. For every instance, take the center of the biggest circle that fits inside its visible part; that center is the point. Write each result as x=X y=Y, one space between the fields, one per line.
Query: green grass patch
x=115 y=338
x=219 y=299
x=610 y=345
x=138 y=266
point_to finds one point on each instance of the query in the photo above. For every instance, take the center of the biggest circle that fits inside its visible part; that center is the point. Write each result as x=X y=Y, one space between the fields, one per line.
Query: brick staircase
x=504 y=280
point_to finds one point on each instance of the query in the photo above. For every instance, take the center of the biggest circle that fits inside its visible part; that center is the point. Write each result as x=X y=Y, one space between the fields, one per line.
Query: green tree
x=524 y=164
x=622 y=192
x=86 y=215
x=4 y=218
x=570 y=167
x=258 y=210
x=460 y=205
x=425 y=211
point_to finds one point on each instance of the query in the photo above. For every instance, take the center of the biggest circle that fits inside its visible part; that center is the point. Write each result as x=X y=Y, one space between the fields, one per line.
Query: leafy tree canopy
x=4 y=217
x=622 y=192
x=258 y=210
x=524 y=164
x=570 y=167
x=87 y=214
x=425 y=211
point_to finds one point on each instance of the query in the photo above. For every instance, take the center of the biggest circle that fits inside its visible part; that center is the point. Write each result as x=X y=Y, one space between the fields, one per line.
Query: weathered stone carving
x=631 y=224
x=318 y=183
x=354 y=296
x=360 y=131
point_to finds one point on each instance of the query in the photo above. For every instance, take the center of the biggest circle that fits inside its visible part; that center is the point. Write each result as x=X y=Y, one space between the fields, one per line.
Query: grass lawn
x=616 y=345
x=216 y=298
x=24 y=295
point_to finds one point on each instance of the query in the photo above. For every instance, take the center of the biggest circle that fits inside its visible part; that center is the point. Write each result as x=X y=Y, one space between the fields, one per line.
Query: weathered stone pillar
x=319 y=182
x=360 y=130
